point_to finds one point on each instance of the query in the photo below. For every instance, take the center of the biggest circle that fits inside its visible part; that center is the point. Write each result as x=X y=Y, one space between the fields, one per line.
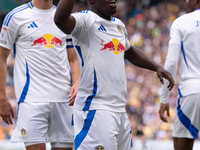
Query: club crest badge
x=23 y=132
x=120 y=29
x=99 y=148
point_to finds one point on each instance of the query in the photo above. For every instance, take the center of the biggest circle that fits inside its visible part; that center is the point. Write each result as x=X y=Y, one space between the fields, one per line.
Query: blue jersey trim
x=70 y=46
x=179 y=93
x=69 y=43
x=78 y=48
x=14 y=12
x=72 y=122
x=113 y=19
x=30 y=4
x=186 y=121
x=14 y=50
x=25 y=89
x=183 y=51
x=82 y=12
x=90 y=98
x=87 y=124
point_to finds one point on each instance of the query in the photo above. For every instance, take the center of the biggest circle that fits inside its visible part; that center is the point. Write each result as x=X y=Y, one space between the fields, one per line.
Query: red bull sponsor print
x=48 y=40
x=115 y=46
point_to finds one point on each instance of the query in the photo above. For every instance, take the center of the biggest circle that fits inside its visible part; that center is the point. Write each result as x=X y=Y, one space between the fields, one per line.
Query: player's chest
x=41 y=31
x=109 y=38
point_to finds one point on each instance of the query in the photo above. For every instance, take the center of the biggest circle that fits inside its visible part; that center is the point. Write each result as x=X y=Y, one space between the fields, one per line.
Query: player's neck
x=42 y=4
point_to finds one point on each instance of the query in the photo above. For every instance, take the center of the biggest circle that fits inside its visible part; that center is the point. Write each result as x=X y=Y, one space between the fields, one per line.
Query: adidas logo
x=33 y=25
x=102 y=28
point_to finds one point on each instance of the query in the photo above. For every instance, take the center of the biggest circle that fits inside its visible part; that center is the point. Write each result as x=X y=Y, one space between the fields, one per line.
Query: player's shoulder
x=21 y=8
x=83 y=13
x=183 y=18
x=17 y=13
x=117 y=20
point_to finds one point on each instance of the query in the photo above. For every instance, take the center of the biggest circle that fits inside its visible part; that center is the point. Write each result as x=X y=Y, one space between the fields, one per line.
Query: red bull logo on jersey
x=115 y=46
x=48 y=40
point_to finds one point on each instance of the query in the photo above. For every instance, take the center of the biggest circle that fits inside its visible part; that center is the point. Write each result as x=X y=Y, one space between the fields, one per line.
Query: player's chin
x=112 y=12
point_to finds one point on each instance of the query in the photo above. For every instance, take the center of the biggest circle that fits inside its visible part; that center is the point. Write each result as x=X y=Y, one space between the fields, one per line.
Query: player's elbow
x=58 y=21
x=65 y=24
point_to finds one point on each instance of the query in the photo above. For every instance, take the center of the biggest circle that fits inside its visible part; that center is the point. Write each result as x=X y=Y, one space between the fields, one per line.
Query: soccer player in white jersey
x=100 y=118
x=184 y=44
x=46 y=66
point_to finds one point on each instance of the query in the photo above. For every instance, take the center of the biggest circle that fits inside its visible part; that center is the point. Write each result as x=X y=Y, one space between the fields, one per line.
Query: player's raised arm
x=138 y=58
x=63 y=18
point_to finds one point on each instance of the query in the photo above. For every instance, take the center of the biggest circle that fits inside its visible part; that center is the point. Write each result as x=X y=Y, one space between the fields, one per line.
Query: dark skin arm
x=62 y=18
x=139 y=59
x=66 y=23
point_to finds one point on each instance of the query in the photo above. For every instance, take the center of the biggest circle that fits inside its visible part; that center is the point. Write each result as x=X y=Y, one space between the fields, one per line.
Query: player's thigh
x=186 y=124
x=61 y=129
x=32 y=123
x=96 y=129
x=125 y=135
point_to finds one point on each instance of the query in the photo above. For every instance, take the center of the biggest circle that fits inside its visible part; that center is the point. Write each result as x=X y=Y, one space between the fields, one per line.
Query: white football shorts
x=102 y=130
x=44 y=122
x=186 y=121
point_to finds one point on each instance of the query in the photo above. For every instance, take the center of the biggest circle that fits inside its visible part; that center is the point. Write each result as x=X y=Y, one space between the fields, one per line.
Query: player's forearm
x=62 y=17
x=3 y=73
x=139 y=59
x=75 y=72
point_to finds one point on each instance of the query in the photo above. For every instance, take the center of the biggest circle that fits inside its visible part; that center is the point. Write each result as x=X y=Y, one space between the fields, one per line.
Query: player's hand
x=163 y=108
x=6 y=111
x=162 y=73
x=72 y=94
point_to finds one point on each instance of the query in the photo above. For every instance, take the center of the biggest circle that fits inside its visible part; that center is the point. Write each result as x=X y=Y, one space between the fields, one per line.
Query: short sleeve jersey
x=100 y=45
x=41 y=68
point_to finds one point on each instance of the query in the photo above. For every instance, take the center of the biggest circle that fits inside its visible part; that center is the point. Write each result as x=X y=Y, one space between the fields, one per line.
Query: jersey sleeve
x=8 y=32
x=171 y=65
x=81 y=26
x=171 y=62
x=69 y=41
x=175 y=33
x=127 y=44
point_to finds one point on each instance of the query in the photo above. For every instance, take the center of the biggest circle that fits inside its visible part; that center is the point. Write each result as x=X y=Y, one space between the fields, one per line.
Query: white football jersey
x=184 y=42
x=100 y=45
x=41 y=69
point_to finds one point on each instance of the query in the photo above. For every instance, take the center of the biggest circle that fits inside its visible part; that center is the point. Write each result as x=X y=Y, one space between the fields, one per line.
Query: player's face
x=105 y=8
x=190 y=5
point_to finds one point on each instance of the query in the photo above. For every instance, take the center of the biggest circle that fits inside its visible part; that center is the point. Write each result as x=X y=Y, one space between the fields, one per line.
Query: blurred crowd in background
x=148 y=24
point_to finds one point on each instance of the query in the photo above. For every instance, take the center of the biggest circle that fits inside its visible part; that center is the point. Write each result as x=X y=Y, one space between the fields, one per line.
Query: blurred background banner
x=148 y=23
x=7 y=5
